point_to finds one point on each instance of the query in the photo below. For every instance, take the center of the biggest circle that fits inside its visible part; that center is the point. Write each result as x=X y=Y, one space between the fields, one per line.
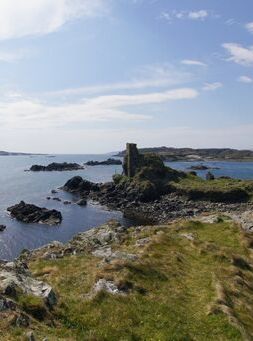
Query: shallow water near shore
x=17 y=185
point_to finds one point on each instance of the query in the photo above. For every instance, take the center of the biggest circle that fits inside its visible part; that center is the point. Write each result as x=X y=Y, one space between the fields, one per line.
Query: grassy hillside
x=185 y=281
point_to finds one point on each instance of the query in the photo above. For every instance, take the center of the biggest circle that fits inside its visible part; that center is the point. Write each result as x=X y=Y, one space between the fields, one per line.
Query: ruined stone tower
x=131 y=160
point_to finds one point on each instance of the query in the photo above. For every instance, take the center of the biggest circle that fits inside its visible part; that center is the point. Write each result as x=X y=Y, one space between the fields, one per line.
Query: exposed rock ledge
x=28 y=213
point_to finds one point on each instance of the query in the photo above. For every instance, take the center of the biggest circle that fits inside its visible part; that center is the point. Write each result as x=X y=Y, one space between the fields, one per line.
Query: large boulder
x=29 y=213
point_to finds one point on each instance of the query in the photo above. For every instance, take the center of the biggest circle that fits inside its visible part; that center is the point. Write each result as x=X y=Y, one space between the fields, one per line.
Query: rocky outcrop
x=108 y=162
x=78 y=185
x=15 y=278
x=29 y=213
x=56 y=167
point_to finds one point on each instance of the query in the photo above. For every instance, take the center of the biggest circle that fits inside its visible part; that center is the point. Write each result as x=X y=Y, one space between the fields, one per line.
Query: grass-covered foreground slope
x=183 y=281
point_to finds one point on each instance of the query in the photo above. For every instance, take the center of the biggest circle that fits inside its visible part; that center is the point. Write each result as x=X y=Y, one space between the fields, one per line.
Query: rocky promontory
x=59 y=167
x=150 y=191
x=28 y=213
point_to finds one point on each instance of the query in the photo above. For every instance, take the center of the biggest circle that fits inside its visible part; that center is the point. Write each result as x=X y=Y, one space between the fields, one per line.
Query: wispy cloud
x=151 y=76
x=199 y=15
x=249 y=27
x=193 y=62
x=239 y=54
x=245 y=79
x=212 y=86
x=29 y=17
x=31 y=113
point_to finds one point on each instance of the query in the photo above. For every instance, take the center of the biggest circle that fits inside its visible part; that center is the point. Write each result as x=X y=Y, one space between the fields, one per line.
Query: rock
x=30 y=336
x=6 y=304
x=108 y=162
x=82 y=202
x=56 y=167
x=54 y=191
x=66 y=202
x=56 y=199
x=199 y=167
x=2 y=228
x=143 y=241
x=12 y=281
x=108 y=286
x=22 y=321
x=29 y=213
x=210 y=176
x=188 y=236
x=48 y=198
x=79 y=185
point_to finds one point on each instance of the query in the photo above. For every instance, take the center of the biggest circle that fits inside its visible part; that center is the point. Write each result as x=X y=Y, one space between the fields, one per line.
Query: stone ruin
x=132 y=160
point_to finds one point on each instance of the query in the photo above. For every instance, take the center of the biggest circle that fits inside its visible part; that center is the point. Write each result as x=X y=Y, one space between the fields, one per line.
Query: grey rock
x=82 y=202
x=2 y=228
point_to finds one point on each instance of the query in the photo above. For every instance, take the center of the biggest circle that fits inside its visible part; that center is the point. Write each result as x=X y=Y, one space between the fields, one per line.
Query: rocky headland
x=156 y=193
x=59 y=167
x=28 y=213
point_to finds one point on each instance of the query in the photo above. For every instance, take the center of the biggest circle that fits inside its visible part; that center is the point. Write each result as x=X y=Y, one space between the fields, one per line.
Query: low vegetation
x=190 y=281
x=218 y=190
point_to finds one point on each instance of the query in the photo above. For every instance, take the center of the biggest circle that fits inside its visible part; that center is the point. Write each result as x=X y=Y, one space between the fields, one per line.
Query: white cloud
x=249 y=27
x=37 y=17
x=193 y=62
x=198 y=15
x=239 y=54
x=190 y=15
x=31 y=113
x=212 y=86
x=245 y=79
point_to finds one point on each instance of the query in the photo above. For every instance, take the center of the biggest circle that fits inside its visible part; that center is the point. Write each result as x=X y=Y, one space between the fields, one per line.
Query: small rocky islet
x=29 y=213
x=54 y=166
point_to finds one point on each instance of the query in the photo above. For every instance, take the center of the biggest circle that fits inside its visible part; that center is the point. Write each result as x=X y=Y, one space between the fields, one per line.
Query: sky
x=87 y=76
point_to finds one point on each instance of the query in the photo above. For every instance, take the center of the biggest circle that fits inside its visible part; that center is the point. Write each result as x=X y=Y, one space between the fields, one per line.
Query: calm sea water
x=16 y=185
x=240 y=170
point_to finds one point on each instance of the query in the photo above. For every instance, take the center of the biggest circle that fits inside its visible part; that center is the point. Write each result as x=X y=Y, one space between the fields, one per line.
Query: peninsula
x=189 y=154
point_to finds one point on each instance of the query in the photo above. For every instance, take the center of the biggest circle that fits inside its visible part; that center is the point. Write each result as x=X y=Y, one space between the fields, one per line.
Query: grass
x=223 y=190
x=179 y=289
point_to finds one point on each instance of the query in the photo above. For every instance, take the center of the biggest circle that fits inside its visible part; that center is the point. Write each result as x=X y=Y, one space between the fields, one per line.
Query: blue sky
x=86 y=76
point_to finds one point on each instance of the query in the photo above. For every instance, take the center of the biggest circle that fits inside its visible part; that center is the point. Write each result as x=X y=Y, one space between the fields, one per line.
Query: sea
x=17 y=184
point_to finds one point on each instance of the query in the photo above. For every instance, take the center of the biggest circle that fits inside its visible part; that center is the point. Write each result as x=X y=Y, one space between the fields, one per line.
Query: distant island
x=189 y=154
x=3 y=153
